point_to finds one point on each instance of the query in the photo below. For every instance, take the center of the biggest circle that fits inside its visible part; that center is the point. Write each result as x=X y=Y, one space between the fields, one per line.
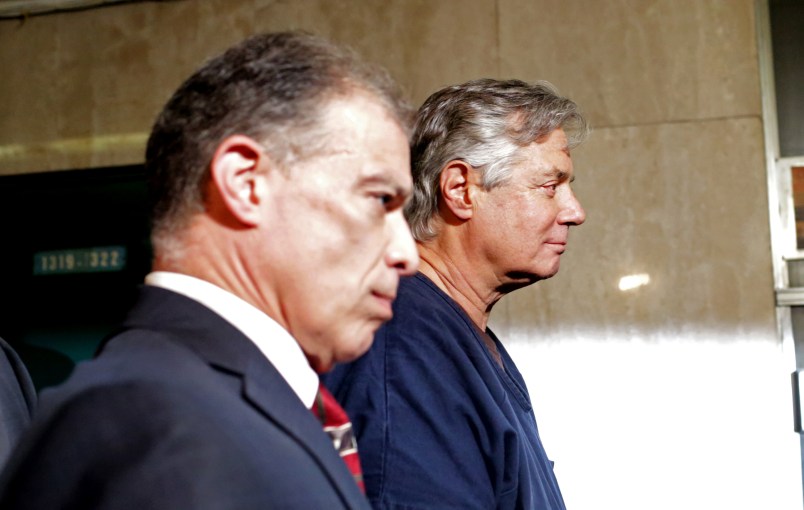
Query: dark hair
x=271 y=87
x=484 y=123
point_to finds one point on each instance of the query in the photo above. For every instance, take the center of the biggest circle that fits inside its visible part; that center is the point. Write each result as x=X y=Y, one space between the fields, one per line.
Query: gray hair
x=274 y=88
x=483 y=123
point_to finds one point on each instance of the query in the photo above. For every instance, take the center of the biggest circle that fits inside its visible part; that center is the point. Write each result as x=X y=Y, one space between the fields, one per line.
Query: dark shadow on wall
x=74 y=249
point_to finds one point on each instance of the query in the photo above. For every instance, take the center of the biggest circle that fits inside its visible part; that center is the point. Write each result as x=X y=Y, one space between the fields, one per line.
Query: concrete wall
x=671 y=395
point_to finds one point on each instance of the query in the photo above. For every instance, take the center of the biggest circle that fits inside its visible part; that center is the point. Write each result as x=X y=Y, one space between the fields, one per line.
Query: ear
x=235 y=173
x=456 y=182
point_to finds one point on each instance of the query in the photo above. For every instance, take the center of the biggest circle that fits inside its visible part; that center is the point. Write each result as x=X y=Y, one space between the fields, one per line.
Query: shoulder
x=429 y=342
x=417 y=292
x=131 y=397
x=423 y=311
x=191 y=442
x=110 y=410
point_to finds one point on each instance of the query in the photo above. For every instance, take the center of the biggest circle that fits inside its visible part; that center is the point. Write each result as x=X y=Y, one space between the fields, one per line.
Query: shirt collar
x=273 y=340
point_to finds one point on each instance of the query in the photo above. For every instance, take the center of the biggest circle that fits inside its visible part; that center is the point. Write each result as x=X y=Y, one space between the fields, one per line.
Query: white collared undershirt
x=278 y=346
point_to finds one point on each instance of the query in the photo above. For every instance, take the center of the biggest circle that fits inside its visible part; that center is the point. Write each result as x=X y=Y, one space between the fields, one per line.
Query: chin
x=548 y=272
x=356 y=347
x=548 y=275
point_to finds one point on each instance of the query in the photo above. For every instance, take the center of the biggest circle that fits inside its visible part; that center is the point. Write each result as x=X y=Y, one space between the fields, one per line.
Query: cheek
x=338 y=234
x=366 y=238
x=526 y=231
x=348 y=261
x=539 y=217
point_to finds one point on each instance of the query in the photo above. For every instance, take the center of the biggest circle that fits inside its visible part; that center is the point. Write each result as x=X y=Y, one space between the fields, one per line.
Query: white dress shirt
x=273 y=340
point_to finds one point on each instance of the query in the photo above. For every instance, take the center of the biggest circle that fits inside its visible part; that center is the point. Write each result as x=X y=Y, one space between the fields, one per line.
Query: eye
x=550 y=189
x=387 y=201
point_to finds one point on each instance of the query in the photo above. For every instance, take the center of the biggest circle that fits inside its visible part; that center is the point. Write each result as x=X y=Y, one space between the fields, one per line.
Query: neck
x=206 y=250
x=460 y=280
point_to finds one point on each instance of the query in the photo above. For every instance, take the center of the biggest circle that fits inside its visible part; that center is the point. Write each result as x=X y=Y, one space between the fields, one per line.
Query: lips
x=389 y=296
x=384 y=301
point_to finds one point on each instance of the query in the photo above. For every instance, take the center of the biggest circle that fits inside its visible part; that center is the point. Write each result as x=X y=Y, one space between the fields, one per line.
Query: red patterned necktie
x=338 y=427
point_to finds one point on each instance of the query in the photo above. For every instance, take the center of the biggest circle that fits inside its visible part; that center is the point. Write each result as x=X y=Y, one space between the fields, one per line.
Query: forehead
x=359 y=131
x=549 y=156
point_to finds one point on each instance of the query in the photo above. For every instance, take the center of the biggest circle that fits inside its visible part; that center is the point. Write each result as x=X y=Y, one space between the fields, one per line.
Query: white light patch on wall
x=634 y=281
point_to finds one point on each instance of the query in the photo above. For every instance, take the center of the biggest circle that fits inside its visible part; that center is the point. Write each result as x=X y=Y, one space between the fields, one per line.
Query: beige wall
x=96 y=79
x=673 y=180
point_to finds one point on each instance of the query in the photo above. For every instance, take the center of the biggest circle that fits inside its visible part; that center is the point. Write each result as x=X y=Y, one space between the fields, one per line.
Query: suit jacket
x=179 y=410
x=17 y=399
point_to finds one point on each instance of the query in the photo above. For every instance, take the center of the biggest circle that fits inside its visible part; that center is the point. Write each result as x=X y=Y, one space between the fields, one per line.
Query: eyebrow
x=555 y=173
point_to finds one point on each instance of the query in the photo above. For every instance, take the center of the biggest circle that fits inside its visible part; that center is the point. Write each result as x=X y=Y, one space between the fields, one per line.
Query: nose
x=572 y=213
x=401 y=253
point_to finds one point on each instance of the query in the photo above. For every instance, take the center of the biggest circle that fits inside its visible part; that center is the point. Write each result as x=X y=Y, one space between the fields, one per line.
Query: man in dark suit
x=278 y=173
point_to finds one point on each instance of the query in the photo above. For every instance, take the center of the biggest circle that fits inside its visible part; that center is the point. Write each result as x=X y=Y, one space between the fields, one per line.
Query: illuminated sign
x=81 y=260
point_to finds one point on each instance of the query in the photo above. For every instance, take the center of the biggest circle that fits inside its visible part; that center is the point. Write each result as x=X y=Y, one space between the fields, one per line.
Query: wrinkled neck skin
x=452 y=269
x=466 y=283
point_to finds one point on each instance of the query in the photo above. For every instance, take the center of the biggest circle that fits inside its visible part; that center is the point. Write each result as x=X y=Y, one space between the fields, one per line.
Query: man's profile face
x=524 y=223
x=341 y=234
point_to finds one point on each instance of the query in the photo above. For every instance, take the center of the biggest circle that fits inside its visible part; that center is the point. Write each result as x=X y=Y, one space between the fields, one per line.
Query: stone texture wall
x=672 y=178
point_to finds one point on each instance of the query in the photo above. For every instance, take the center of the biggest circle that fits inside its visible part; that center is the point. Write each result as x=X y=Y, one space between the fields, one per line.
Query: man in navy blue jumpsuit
x=442 y=415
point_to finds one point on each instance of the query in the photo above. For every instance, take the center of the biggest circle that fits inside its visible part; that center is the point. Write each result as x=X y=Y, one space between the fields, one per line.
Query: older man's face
x=523 y=225
x=341 y=234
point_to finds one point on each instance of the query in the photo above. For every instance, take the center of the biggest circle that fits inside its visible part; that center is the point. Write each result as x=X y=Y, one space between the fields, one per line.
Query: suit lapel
x=286 y=410
x=224 y=347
